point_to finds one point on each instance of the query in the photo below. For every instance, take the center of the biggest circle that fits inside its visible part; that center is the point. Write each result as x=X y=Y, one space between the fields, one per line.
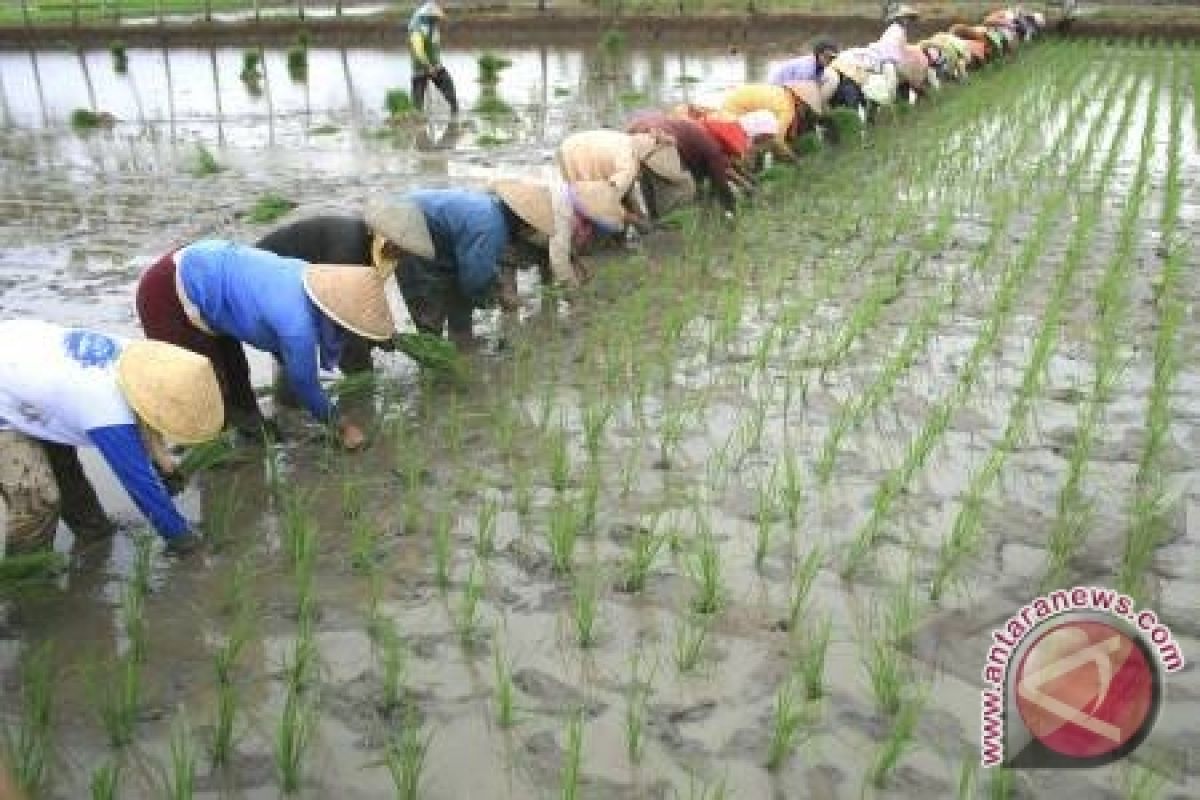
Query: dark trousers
x=433 y=298
x=163 y=318
x=442 y=80
x=81 y=509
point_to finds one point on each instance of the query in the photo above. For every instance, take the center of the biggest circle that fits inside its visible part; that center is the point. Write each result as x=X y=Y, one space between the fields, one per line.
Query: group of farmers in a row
x=313 y=292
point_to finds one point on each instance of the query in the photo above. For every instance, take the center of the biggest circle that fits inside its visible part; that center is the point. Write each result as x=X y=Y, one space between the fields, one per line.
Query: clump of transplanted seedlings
x=705 y=569
x=120 y=57
x=802 y=582
x=764 y=518
x=691 y=636
x=585 y=608
x=179 y=783
x=573 y=756
x=505 y=690
x=27 y=745
x=468 y=610
x=297 y=61
x=485 y=527
x=390 y=657
x=117 y=703
x=406 y=756
x=899 y=741
x=815 y=648
x=442 y=549
x=292 y=737
x=105 y=780
x=204 y=163
x=364 y=544
x=644 y=547
x=636 y=708
x=562 y=534
x=791 y=715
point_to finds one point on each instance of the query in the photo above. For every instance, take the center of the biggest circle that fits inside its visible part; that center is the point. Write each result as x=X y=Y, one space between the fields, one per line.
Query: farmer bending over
x=456 y=250
x=810 y=67
x=66 y=388
x=213 y=295
x=424 y=46
x=797 y=107
x=699 y=151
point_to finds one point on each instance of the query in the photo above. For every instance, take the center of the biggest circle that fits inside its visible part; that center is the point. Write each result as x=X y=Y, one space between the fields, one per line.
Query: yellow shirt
x=762 y=97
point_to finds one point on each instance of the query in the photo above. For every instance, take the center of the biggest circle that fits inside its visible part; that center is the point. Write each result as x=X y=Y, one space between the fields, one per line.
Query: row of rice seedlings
x=1151 y=502
x=1071 y=521
x=964 y=538
x=28 y=744
x=1012 y=280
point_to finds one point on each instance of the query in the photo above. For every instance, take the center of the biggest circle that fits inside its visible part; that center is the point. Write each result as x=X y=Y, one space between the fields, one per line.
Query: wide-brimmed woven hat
x=664 y=162
x=352 y=297
x=529 y=200
x=904 y=11
x=173 y=390
x=644 y=144
x=599 y=203
x=809 y=92
x=400 y=221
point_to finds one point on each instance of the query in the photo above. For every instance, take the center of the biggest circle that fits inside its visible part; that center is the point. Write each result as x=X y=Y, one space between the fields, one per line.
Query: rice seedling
x=143 y=563
x=691 y=635
x=105 y=780
x=1002 y=785
x=490 y=66
x=297 y=62
x=585 y=607
x=899 y=741
x=392 y=663
x=118 y=703
x=364 y=544
x=802 y=581
x=596 y=416
x=791 y=488
x=406 y=758
x=120 y=57
x=442 y=549
x=204 y=163
x=698 y=789
x=27 y=744
x=562 y=534
x=269 y=207
x=788 y=719
x=18 y=570
x=222 y=509
x=180 y=782
x=559 y=459
x=221 y=747
x=704 y=567
x=505 y=692
x=968 y=777
x=300 y=667
x=468 y=610
x=886 y=675
x=485 y=527
x=644 y=547
x=133 y=622
x=636 y=708
x=251 y=66
x=83 y=119
x=811 y=666
x=292 y=738
x=590 y=501
x=573 y=757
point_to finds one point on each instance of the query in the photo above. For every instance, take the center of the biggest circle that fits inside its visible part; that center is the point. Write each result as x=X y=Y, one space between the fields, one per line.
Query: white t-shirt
x=57 y=383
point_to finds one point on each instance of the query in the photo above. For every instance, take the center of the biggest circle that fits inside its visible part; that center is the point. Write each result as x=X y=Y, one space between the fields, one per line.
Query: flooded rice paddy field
x=809 y=461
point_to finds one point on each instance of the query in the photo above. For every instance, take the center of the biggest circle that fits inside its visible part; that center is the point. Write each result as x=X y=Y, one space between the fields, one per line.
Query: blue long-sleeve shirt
x=126 y=455
x=469 y=235
x=258 y=298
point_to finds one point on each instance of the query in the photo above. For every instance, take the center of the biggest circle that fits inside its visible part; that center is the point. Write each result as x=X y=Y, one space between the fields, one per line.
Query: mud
x=86 y=212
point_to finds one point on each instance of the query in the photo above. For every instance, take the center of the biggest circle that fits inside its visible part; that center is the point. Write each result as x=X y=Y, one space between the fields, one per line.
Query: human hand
x=184 y=544
x=351 y=436
x=174 y=480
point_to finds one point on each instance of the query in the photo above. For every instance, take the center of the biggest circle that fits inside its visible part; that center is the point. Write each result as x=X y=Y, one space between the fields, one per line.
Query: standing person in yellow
x=424 y=45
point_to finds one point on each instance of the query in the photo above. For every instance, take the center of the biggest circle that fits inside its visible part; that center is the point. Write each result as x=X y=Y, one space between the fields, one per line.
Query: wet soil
x=669 y=342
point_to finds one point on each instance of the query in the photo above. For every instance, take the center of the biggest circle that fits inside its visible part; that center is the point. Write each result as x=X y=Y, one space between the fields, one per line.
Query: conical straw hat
x=400 y=221
x=904 y=11
x=529 y=200
x=353 y=297
x=664 y=162
x=174 y=390
x=809 y=93
x=598 y=201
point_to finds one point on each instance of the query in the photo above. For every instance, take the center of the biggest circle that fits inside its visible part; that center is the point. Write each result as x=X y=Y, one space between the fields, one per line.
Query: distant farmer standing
x=424 y=45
